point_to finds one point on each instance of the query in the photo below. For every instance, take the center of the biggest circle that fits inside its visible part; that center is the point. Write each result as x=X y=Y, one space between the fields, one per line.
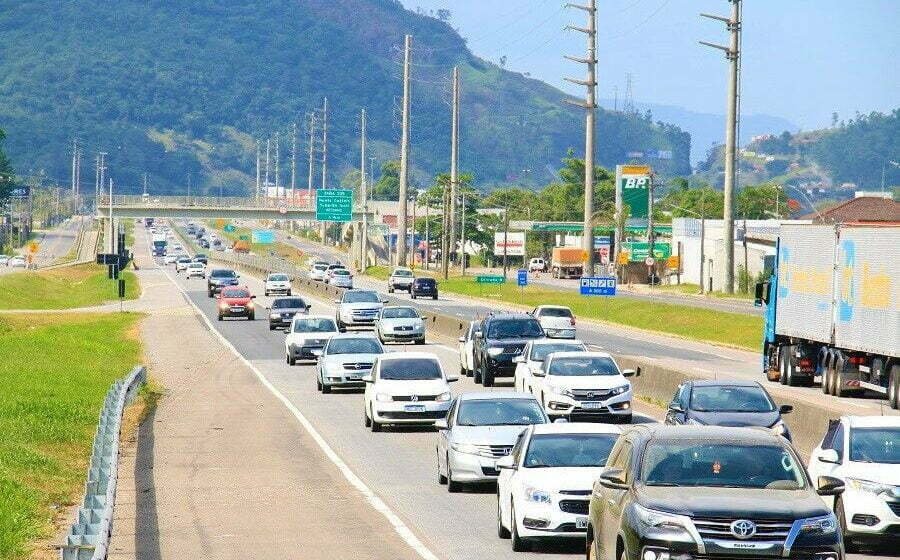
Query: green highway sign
x=334 y=205
x=228 y=228
x=489 y=279
x=639 y=251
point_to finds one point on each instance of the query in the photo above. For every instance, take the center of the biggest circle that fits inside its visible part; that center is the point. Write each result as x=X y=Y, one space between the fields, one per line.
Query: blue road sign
x=598 y=286
x=522 y=277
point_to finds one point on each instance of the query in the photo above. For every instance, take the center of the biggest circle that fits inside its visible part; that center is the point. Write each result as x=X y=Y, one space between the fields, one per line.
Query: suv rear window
x=222 y=273
x=424 y=282
x=555 y=312
x=515 y=328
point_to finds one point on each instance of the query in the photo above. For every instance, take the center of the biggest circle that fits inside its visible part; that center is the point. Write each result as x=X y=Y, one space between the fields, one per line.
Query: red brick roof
x=862 y=209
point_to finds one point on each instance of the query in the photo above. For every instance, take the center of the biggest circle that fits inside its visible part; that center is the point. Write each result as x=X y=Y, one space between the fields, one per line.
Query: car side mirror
x=785 y=408
x=675 y=407
x=462 y=339
x=631 y=372
x=519 y=360
x=479 y=335
x=337 y=301
x=367 y=378
x=440 y=424
x=452 y=378
x=308 y=307
x=829 y=485
x=287 y=330
x=252 y=297
x=385 y=301
x=507 y=463
x=613 y=478
x=829 y=456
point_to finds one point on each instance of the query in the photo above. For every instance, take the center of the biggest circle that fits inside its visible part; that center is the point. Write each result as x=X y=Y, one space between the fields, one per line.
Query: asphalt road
x=696 y=358
x=52 y=244
x=398 y=464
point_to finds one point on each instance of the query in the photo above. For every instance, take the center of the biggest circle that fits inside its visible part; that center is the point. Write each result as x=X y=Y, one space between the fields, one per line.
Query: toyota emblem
x=415 y=398
x=743 y=528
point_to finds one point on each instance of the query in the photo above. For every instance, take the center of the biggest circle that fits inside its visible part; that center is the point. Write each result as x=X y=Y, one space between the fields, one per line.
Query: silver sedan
x=399 y=323
x=345 y=359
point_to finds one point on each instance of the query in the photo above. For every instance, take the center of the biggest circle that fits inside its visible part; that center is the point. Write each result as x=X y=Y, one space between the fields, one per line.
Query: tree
x=444 y=15
x=388 y=185
x=7 y=175
x=760 y=202
x=353 y=180
x=686 y=201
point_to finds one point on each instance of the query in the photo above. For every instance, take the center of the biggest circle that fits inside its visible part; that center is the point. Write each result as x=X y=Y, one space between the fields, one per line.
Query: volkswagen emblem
x=590 y=395
x=415 y=398
x=743 y=528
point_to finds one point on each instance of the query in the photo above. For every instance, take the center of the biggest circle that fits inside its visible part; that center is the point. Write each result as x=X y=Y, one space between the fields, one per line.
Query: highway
x=696 y=358
x=52 y=244
x=398 y=464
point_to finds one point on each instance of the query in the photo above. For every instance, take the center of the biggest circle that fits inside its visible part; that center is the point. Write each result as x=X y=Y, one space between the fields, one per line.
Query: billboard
x=633 y=189
x=515 y=243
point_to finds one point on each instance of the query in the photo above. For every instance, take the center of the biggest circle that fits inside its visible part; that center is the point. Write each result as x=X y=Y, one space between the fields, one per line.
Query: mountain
x=185 y=88
x=707 y=129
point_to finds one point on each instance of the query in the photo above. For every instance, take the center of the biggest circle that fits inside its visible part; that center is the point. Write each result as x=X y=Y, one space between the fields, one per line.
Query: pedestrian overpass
x=209 y=207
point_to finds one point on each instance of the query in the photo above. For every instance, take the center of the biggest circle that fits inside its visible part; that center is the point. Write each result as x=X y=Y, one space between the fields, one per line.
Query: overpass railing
x=203 y=202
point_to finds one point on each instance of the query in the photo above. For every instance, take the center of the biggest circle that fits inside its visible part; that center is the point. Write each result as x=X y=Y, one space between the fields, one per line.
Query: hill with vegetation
x=186 y=88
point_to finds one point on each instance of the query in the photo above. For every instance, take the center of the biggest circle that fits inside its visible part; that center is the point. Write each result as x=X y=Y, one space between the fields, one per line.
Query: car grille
x=314 y=342
x=490 y=471
x=493 y=450
x=358 y=366
x=720 y=528
x=418 y=398
x=578 y=507
x=591 y=394
x=403 y=328
x=895 y=507
x=516 y=349
x=568 y=528
x=403 y=415
x=575 y=492
x=365 y=313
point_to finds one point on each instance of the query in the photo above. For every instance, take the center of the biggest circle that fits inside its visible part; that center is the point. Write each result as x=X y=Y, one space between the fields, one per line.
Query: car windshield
x=354 y=346
x=515 y=328
x=728 y=465
x=404 y=273
x=556 y=312
x=184 y=260
x=195 y=265
x=288 y=303
x=410 y=369
x=235 y=294
x=361 y=297
x=875 y=445
x=425 y=282
x=278 y=278
x=500 y=412
x=719 y=398
x=321 y=267
x=577 y=366
x=400 y=313
x=569 y=450
x=539 y=352
x=341 y=272
x=314 y=325
x=223 y=274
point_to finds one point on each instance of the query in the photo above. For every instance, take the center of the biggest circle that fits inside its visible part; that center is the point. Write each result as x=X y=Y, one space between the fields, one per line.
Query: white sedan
x=544 y=488
x=319 y=272
x=530 y=364
x=556 y=320
x=277 y=283
x=406 y=388
x=864 y=452
x=307 y=337
x=17 y=261
x=195 y=270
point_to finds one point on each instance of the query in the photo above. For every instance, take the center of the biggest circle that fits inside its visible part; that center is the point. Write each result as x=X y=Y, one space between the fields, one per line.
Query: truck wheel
x=894 y=386
x=487 y=378
x=826 y=372
x=476 y=375
x=783 y=359
x=839 y=389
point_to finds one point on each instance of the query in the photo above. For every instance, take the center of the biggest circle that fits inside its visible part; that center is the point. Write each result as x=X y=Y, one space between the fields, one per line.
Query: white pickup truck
x=401 y=279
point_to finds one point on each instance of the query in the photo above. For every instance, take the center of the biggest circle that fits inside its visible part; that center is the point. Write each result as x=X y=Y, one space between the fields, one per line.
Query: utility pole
x=102 y=179
x=402 y=219
x=79 y=153
x=454 y=176
x=97 y=182
x=145 y=185
x=505 y=236
x=112 y=242
x=277 y=169
x=462 y=236
x=323 y=225
x=293 y=159
x=364 y=233
x=74 y=164
x=266 y=182
x=312 y=151
x=733 y=55
x=590 y=106
x=258 y=171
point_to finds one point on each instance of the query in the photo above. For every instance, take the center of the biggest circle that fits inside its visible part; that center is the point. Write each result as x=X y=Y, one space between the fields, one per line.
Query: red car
x=236 y=301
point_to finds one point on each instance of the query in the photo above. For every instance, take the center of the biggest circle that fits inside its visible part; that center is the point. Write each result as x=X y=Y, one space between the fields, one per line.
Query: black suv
x=502 y=337
x=220 y=278
x=424 y=287
x=700 y=492
x=727 y=403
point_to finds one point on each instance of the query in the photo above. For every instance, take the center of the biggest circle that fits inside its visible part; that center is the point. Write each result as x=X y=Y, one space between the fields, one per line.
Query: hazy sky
x=803 y=59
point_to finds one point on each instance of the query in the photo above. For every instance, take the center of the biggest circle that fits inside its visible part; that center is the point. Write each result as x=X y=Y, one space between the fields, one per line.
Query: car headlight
x=869 y=486
x=383 y=397
x=443 y=397
x=560 y=390
x=495 y=351
x=275 y=316
x=694 y=422
x=465 y=448
x=620 y=390
x=822 y=525
x=223 y=305
x=661 y=520
x=536 y=495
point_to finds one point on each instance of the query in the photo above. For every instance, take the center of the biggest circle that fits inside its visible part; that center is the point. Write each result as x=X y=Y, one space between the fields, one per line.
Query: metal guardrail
x=203 y=202
x=88 y=538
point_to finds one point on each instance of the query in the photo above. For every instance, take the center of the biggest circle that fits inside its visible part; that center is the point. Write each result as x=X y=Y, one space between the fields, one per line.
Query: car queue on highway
x=558 y=448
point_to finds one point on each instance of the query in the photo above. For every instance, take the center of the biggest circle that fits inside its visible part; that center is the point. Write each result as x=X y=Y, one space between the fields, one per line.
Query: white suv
x=401 y=279
x=864 y=452
x=307 y=337
x=358 y=308
x=406 y=388
x=278 y=283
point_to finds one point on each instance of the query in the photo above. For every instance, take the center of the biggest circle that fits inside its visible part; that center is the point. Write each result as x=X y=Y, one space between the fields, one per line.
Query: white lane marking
x=595 y=346
x=376 y=502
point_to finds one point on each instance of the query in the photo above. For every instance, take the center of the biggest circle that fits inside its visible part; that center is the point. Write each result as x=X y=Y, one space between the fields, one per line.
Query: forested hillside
x=186 y=87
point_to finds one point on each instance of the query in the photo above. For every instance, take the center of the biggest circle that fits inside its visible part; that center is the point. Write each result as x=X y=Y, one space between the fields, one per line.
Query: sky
x=802 y=59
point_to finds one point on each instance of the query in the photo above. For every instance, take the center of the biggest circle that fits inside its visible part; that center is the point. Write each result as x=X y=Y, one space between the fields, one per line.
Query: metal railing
x=128 y=200
x=88 y=537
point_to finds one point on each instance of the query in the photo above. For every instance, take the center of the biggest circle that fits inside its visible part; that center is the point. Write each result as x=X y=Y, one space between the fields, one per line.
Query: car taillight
x=857 y=360
x=572 y=321
x=805 y=362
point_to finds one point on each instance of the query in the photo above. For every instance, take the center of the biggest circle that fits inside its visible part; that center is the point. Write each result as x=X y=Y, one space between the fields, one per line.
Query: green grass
x=64 y=288
x=694 y=289
x=55 y=372
x=705 y=325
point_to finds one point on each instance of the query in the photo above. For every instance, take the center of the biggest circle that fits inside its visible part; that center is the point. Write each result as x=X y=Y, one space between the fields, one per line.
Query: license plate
x=237 y=309
x=581 y=522
x=592 y=405
x=414 y=408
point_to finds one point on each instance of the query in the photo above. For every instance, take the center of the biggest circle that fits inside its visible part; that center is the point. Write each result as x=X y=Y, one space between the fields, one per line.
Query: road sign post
x=334 y=205
x=522 y=281
x=598 y=286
